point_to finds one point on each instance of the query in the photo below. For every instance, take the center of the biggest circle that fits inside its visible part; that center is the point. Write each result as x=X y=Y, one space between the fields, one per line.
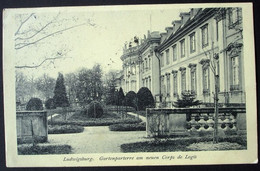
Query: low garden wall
x=32 y=126
x=195 y=121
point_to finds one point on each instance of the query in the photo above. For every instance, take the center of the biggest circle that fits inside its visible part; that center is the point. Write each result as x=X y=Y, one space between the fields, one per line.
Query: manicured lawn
x=186 y=144
x=128 y=127
x=28 y=149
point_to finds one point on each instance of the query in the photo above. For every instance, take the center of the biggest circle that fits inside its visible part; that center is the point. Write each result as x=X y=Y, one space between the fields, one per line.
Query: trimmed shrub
x=95 y=110
x=187 y=100
x=131 y=99
x=44 y=149
x=128 y=127
x=180 y=144
x=145 y=98
x=34 y=104
x=49 y=104
x=64 y=129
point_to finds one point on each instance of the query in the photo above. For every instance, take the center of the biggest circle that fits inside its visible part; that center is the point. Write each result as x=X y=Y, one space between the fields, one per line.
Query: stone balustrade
x=195 y=121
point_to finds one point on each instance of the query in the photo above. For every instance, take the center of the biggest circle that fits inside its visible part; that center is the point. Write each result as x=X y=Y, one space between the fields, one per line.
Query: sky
x=101 y=41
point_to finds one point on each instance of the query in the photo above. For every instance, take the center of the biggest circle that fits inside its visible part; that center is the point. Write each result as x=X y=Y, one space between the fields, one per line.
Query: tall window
x=217 y=30
x=168 y=85
x=193 y=80
x=149 y=63
x=205 y=38
x=167 y=57
x=175 y=85
x=183 y=81
x=182 y=48
x=174 y=53
x=206 y=80
x=192 y=43
x=233 y=16
x=146 y=64
x=235 y=70
x=162 y=60
x=150 y=81
x=163 y=85
x=143 y=66
x=134 y=69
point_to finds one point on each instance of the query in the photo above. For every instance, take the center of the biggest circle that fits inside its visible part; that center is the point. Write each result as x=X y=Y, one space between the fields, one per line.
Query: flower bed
x=128 y=127
x=63 y=129
x=107 y=119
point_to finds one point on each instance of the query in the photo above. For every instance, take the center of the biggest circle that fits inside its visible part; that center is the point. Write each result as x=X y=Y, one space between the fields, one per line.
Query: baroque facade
x=204 y=44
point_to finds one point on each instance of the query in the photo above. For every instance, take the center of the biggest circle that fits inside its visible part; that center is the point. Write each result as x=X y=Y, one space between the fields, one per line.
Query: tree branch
x=22 y=23
x=38 y=31
x=36 y=66
x=22 y=45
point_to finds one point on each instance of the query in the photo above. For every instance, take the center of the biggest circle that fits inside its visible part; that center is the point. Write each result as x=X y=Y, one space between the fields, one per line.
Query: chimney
x=176 y=24
x=184 y=17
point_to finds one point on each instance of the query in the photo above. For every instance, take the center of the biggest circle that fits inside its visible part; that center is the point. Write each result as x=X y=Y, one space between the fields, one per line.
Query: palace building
x=204 y=45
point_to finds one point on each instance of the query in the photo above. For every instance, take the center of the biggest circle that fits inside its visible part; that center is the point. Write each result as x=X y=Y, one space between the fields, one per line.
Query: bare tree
x=213 y=56
x=34 y=29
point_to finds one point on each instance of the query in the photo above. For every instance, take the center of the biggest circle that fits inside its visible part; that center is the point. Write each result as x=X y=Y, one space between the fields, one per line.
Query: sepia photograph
x=129 y=85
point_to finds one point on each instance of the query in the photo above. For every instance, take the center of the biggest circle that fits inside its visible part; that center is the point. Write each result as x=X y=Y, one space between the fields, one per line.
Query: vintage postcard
x=130 y=85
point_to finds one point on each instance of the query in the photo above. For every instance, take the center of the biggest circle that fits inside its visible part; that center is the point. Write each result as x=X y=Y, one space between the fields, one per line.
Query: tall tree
x=110 y=87
x=96 y=83
x=60 y=95
x=121 y=97
x=45 y=84
x=89 y=86
x=71 y=80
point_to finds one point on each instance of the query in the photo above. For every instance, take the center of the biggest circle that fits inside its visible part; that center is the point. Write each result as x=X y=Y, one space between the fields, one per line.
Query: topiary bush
x=145 y=98
x=131 y=99
x=49 y=104
x=34 y=104
x=95 y=110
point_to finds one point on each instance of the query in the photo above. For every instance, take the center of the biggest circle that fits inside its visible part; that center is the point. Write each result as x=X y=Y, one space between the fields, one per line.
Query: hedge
x=128 y=127
x=43 y=149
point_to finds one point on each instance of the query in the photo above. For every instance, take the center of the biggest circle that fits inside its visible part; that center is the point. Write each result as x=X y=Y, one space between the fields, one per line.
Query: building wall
x=186 y=52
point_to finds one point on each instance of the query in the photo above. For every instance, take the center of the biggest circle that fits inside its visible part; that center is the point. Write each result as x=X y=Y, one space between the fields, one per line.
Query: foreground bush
x=34 y=104
x=43 y=149
x=95 y=110
x=209 y=146
x=64 y=129
x=49 y=104
x=128 y=127
x=179 y=144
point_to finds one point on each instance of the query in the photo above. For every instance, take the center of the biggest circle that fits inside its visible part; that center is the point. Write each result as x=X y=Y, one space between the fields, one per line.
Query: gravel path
x=97 y=139
x=140 y=116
